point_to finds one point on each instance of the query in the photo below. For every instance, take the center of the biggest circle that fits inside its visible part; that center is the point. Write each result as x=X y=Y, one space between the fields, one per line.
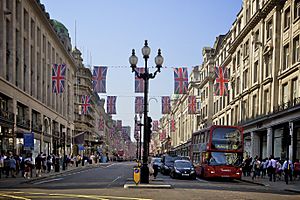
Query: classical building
x=262 y=54
x=29 y=46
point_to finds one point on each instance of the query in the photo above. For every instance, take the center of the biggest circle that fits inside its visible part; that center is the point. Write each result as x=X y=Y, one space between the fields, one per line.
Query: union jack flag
x=85 y=100
x=137 y=127
x=181 y=80
x=172 y=125
x=221 y=81
x=162 y=135
x=58 y=78
x=139 y=82
x=192 y=105
x=136 y=135
x=166 y=105
x=139 y=105
x=101 y=124
x=111 y=104
x=119 y=125
x=99 y=79
x=155 y=125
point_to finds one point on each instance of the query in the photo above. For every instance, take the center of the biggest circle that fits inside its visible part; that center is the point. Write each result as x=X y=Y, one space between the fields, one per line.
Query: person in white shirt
x=288 y=169
x=271 y=168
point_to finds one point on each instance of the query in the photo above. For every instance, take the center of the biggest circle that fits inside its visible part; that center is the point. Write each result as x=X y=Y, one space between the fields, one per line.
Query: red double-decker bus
x=217 y=151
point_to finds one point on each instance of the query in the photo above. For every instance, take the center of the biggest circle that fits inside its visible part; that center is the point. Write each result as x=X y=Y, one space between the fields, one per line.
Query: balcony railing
x=35 y=126
x=7 y=116
x=23 y=123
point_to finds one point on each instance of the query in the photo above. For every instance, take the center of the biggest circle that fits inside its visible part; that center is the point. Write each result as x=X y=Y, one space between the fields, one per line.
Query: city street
x=106 y=182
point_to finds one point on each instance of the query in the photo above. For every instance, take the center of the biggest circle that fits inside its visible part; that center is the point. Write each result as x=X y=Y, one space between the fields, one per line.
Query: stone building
x=29 y=46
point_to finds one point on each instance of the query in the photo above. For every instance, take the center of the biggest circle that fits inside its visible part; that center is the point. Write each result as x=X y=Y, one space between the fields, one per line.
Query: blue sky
x=107 y=31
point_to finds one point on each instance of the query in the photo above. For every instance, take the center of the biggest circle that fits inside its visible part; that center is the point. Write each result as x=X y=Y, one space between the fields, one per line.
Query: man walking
x=271 y=168
x=288 y=169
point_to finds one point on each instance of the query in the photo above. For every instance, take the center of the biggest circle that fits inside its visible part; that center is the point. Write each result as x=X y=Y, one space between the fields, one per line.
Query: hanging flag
x=58 y=78
x=119 y=125
x=155 y=125
x=221 y=81
x=180 y=80
x=139 y=82
x=99 y=79
x=166 y=104
x=137 y=127
x=85 y=100
x=136 y=135
x=101 y=124
x=111 y=104
x=172 y=125
x=162 y=135
x=139 y=105
x=192 y=105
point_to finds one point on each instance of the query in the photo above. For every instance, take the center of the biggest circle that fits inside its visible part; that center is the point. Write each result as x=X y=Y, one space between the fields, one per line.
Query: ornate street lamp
x=133 y=60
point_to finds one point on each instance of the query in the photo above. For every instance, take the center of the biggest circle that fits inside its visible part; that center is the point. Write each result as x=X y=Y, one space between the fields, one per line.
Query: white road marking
x=116 y=179
x=47 y=181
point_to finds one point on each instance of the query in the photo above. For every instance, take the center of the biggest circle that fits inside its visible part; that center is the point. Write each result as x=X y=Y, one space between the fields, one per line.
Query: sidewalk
x=279 y=185
x=8 y=182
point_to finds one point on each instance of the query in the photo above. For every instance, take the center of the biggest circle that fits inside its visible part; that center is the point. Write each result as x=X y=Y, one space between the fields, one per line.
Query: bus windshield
x=226 y=139
x=222 y=158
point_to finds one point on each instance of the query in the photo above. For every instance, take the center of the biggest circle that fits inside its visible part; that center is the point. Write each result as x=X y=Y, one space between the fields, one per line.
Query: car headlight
x=166 y=167
x=177 y=171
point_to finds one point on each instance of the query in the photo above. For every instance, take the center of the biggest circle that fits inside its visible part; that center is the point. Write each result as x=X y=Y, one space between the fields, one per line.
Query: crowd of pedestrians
x=274 y=169
x=26 y=165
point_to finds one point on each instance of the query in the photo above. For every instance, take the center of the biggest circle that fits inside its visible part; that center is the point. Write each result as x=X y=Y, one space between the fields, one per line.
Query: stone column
x=269 y=141
x=291 y=130
x=255 y=144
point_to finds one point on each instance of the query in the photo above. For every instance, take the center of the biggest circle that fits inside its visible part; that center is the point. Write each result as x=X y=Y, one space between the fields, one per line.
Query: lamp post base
x=144 y=173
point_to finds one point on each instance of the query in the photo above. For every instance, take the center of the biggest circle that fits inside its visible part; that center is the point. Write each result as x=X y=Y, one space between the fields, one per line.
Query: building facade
x=261 y=52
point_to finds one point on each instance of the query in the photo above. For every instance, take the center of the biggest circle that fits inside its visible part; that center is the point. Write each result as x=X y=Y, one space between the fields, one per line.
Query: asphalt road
x=106 y=182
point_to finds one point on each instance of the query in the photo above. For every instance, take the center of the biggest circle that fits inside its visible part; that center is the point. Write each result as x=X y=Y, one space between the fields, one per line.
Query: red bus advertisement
x=217 y=151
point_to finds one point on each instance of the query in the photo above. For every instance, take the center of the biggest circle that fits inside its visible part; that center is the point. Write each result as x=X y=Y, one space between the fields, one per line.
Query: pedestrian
x=7 y=166
x=271 y=168
x=255 y=167
x=44 y=163
x=38 y=165
x=297 y=169
x=12 y=166
x=49 y=163
x=288 y=169
x=28 y=167
x=1 y=164
x=264 y=167
x=278 y=170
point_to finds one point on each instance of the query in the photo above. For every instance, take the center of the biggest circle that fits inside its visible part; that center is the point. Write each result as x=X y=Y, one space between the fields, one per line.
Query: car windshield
x=156 y=160
x=183 y=164
x=222 y=158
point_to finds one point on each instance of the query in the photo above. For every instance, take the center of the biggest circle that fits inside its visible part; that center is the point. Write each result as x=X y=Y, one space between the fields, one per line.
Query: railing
x=7 y=116
x=22 y=122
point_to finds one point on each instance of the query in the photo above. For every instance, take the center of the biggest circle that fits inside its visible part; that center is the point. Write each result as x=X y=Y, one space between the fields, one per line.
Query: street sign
x=28 y=141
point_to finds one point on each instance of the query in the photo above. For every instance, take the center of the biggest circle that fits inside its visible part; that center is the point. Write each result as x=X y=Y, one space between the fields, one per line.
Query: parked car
x=183 y=169
x=167 y=163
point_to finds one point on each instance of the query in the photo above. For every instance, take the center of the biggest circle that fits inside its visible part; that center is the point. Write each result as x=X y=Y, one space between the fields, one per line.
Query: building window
x=238 y=83
x=296 y=9
x=246 y=49
x=238 y=60
x=268 y=65
x=266 y=102
x=296 y=50
x=245 y=77
x=234 y=64
x=287 y=18
x=254 y=106
x=294 y=89
x=244 y=109
x=285 y=93
x=255 y=72
x=269 y=28
x=286 y=55
x=256 y=39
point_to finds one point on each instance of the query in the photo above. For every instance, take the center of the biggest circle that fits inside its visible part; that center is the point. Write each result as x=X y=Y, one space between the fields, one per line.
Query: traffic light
x=149 y=127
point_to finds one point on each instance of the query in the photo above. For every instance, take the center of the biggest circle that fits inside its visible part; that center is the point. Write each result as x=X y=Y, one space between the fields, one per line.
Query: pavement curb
x=150 y=186
x=292 y=190
x=255 y=183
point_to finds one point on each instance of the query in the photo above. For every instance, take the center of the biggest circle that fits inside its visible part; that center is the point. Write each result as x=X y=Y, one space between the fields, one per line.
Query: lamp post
x=145 y=76
x=140 y=149
x=137 y=141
